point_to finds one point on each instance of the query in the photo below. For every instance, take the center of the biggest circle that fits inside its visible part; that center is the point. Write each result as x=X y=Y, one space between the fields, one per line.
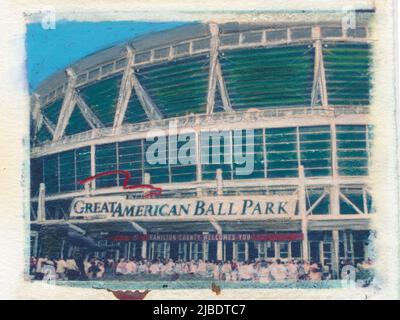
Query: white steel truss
x=49 y=125
x=319 y=89
x=350 y=203
x=212 y=75
x=67 y=106
x=125 y=90
x=36 y=108
x=226 y=103
x=172 y=53
x=87 y=113
x=149 y=107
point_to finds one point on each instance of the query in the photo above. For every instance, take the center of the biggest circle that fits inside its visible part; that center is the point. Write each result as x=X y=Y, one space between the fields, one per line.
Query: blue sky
x=52 y=50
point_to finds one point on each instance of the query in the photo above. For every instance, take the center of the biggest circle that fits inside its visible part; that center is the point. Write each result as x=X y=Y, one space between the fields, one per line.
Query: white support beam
x=67 y=105
x=35 y=106
x=49 y=125
x=87 y=113
x=319 y=89
x=76 y=228
x=350 y=203
x=316 y=203
x=41 y=209
x=226 y=103
x=149 y=107
x=212 y=74
x=125 y=90
x=303 y=211
x=138 y=227
x=142 y=230
x=36 y=113
x=218 y=228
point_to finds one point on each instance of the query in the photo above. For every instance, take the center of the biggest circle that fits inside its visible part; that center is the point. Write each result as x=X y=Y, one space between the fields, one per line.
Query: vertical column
x=92 y=166
x=205 y=250
x=146 y=180
x=41 y=210
x=321 y=252
x=212 y=76
x=334 y=190
x=319 y=82
x=144 y=249
x=276 y=249
x=220 y=182
x=246 y=251
x=351 y=246
x=219 y=230
x=303 y=211
x=198 y=155
x=335 y=253
x=219 y=247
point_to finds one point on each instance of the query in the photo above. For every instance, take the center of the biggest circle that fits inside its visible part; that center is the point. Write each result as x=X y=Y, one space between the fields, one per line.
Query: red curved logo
x=154 y=191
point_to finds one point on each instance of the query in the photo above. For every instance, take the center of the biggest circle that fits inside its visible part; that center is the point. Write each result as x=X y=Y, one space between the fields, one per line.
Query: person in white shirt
x=142 y=267
x=101 y=271
x=217 y=272
x=292 y=271
x=202 y=268
x=61 y=268
x=264 y=272
x=72 y=269
x=278 y=271
x=131 y=267
x=245 y=271
x=154 y=268
x=227 y=270
x=169 y=267
x=39 y=264
x=121 y=267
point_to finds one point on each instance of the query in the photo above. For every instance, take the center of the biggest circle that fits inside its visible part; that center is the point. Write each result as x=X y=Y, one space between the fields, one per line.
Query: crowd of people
x=259 y=271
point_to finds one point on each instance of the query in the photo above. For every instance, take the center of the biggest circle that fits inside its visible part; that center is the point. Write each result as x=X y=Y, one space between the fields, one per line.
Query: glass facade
x=60 y=172
x=277 y=153
x=274 y=77
x=352 y=144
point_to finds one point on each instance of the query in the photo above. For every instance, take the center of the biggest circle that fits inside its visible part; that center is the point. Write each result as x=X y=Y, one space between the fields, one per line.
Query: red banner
x=209 y=237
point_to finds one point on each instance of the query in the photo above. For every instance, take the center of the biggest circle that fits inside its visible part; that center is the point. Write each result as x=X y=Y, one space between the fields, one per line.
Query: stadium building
x=300 y=90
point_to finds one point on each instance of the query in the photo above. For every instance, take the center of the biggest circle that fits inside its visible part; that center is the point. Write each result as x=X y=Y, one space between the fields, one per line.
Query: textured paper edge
x=14 y=142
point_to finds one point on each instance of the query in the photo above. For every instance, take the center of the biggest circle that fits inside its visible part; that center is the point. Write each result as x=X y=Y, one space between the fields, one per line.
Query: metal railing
x=190 y=121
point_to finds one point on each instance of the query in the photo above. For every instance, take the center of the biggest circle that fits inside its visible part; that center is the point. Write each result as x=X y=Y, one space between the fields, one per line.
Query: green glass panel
x=106 y=160
x=43 y=135
x=347 y=68
x=51 y=177
x=134 y=111
x=281 y=145
x=178 y=87
x=36 y=175
x=67 y=171
x=77 y=123
x=219 y=157
x=159 y=172
x=52 y=111
x=315 y=150
x=352 y=150
x=268 y=77
x=102 y=98
x=82 y=158
x=130 y=156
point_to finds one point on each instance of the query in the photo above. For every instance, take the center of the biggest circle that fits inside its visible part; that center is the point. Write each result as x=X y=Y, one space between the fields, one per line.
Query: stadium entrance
x=208 y=246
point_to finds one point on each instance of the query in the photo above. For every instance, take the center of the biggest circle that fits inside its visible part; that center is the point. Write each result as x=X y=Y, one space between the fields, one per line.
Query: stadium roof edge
x=179 y=34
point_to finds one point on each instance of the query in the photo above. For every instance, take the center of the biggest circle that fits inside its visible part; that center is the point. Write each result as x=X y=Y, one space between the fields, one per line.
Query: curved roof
x=259 y=66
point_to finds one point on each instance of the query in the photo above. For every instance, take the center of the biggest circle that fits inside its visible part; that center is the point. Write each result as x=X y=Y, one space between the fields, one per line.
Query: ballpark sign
x=206 y=208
